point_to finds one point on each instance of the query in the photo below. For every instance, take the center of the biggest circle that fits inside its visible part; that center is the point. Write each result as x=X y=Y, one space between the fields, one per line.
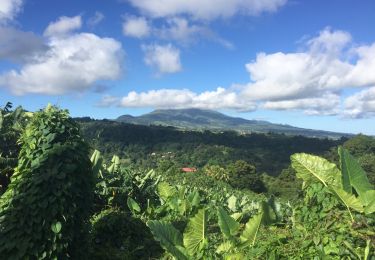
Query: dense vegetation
x=252 y=197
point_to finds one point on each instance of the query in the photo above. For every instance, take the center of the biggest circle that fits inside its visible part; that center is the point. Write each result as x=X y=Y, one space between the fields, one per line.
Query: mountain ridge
x=204 y=119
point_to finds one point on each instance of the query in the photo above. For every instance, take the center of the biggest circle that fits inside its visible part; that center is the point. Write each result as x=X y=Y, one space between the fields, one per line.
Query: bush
x=44 y=212
x=117 y=235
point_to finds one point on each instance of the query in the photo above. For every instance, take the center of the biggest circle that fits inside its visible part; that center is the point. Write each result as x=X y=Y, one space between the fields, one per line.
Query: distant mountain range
x=199 y=119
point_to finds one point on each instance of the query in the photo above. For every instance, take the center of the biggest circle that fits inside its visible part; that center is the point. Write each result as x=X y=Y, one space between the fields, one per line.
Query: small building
x=187 y=169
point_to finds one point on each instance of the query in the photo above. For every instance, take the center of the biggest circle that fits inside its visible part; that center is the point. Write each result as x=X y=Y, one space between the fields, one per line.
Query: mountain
x=199 y=119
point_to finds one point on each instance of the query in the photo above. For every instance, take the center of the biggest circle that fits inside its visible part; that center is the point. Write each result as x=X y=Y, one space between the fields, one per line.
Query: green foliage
x=169 y=237
x=243 y=175
x=44 y=212
x=216 y=172
x=117 y=235
x=12 y=124
x=228 y=226
x=195 y=233
x=353 y=175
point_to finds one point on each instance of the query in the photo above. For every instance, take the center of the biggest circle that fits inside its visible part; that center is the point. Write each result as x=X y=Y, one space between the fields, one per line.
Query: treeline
x=143 y=145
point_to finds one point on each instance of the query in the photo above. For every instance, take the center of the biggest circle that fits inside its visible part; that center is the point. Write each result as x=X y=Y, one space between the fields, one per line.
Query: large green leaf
x=227 y=224
x=269 y=215
x=348 y=199
x=169 y=237
x=311 y=168
x=133 y=205
x=368 y=200
x=115 y=164
x=232 y=203
x=352 y=174
x=195 y=232
x=166 y=191
x=250 y=232
x=97 y=163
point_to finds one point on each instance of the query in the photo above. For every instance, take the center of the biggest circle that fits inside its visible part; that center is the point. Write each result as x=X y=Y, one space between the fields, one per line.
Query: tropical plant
x=12 y=124
x=44 y=213
x=190 y=245
x=312 y=169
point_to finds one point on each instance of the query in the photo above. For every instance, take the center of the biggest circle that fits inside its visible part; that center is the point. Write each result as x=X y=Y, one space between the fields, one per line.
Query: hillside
x=198 y=119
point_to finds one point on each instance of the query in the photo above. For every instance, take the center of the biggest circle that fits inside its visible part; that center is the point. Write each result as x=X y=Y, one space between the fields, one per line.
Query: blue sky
x=304 y=63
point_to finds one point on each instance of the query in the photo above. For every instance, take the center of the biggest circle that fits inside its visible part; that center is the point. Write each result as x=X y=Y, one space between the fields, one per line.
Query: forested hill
x=268 y=152
x=198 y=119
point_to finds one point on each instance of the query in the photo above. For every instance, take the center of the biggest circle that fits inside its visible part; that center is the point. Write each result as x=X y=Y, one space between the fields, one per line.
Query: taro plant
x=177 y=199
x=189 y=245
x=44 y=212
x=350 y=184
x=236 y=241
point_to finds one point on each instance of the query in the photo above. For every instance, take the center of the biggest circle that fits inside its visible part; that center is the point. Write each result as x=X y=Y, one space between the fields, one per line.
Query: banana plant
x=189 y=245
x=341 y=183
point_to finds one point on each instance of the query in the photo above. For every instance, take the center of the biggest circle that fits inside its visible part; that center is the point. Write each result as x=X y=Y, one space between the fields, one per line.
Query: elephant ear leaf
x=166 y=191
x=349 y=200
x=313 y=168
x=227 y=224
x=352 y=174
x=368 y=200
x=195 y=233
x=250 y=232
x=169 y=237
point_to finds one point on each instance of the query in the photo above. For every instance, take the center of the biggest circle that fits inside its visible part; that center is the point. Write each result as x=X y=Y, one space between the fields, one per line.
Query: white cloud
x=96 y=19
x=108 y=100
x=19 y=46
x=9 y=9
x=281 y=76
x=361 y=104
x=327 y=104
x=183 y=98
x=63 y=26
x=164 y=58
x=137 y=27
x=311 y=78
x=72 y=63
x=206 y=9
x=179 y=29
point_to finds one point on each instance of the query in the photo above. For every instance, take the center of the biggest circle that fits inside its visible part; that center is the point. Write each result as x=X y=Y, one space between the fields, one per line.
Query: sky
x=304 y=63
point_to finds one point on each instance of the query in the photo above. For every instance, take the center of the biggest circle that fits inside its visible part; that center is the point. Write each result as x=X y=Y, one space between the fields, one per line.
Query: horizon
x=299 y=63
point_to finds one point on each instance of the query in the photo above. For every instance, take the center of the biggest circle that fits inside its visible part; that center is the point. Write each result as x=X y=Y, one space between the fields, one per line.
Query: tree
x=243 y=175
x=44 y=212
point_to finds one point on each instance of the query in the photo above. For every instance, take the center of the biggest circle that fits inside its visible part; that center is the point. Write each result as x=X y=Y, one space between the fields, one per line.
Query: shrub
x=117 y=235
x=44 y=211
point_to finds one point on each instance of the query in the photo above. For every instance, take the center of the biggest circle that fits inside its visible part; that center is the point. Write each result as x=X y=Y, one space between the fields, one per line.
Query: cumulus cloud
x=281 y=76
x=19 y=46
x=360 y=105
x=9 y=9
x=206 y=9
x=74 y=62
x=302 y=80
x=63 y=26
x=95 y=20
x=164 y=58
x=137 y=27
x=311 y=80
x=327 y=104
x=180 y=29
x=184 y=98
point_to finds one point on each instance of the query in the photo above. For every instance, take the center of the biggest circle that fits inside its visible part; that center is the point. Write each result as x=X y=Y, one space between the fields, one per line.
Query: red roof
x=189 y=169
